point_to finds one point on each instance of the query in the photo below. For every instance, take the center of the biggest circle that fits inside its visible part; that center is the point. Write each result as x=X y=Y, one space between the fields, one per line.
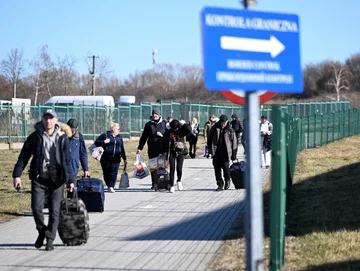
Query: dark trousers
x=220 y=164
x=192 y=148
x=110 y=172
x=54 y=196
x=179 y=161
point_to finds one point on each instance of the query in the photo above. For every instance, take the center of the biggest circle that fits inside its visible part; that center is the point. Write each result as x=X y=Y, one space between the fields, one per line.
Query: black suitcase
x=91 y=191
x=162 y=180
x=237 y=171
x=74 y=225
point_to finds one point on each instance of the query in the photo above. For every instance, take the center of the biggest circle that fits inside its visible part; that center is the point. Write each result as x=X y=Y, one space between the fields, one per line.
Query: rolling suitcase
x=74 y=221
x=237 y=170
x=162 y=175
x=91 y=191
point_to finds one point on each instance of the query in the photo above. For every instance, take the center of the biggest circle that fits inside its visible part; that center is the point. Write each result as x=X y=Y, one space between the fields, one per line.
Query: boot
x=49 y=245
x=40 y=240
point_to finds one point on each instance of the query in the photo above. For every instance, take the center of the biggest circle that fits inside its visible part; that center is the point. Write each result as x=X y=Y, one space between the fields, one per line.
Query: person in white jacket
x=266 y=129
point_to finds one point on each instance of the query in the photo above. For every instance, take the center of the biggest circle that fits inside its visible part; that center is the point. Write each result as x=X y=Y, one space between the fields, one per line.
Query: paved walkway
x=140 y=229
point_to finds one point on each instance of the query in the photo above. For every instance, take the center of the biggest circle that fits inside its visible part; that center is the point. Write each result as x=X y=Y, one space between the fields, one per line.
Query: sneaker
x=40 y=240
x=49 y=245
x=172 y=189
x=179 y=186
x=220 y=188
x=111 y=189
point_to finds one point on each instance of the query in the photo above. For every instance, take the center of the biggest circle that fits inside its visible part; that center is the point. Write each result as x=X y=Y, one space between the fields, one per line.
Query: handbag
x=124 y=180
x=178 y=145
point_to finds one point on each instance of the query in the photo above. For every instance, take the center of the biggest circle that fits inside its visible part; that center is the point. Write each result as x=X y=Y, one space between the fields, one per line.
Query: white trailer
x=81 y=100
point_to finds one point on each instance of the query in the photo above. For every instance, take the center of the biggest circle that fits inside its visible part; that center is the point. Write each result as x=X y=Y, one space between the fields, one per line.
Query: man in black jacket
x=49 y=171
x=222 y=144
x=157 y=137
x=236 y=125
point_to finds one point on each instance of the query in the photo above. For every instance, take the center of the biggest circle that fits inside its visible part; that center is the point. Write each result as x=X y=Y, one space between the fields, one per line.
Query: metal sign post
x=254 y=222
x=254 y=225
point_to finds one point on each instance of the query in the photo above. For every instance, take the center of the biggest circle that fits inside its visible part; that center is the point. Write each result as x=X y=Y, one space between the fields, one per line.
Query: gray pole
x=93 y=76
x=253 y=224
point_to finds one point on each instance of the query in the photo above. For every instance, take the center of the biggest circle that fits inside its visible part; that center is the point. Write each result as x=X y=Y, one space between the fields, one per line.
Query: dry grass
x=14 y=204
x=323 y=219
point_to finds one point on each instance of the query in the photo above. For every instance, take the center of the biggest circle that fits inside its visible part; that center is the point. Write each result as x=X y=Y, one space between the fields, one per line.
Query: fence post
x=24 y=121
x=322 y=127
x=315 y=130
x=333 y=124
x=278 y=191
x=130 y=121
x=308 y=132
x=94 y=121
x=349 y=121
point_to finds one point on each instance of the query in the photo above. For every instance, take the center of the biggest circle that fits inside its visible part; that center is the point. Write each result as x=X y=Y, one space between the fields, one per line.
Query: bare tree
x=47 y=74
x=12 y=67
x=339 y=82
x=65 y=73
x=353 y=65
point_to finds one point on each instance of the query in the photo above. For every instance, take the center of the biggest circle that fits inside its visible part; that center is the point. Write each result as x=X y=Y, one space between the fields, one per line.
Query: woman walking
x=114 y=150
x=192 y=138
x=178 y=151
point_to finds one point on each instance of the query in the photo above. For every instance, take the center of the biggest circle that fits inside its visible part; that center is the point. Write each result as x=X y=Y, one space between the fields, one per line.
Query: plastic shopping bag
x=140 y=171
x=153 y=164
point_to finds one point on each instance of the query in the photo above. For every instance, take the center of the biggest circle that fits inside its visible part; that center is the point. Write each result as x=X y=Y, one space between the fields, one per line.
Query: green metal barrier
x=17 y=121
x=278 y=190
x=293 y=134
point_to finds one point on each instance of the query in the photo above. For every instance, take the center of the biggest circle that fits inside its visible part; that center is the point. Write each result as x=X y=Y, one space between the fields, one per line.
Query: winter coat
x=207 y=127
x=156 y=144
x=114 y=150
x=266 y=127
x=33 y=147
x=179 y=135
x=236 y=125
x=192 y=137
x=229 y=138
x=78 y=153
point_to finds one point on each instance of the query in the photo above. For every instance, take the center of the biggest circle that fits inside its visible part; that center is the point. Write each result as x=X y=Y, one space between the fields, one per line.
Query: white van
x=125 y=100
x=81 y=100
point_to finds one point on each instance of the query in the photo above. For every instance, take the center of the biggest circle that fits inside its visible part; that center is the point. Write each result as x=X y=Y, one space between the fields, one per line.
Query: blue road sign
x=251 y=50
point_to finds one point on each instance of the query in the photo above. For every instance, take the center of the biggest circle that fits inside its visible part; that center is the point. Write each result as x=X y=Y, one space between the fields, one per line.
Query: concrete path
x=140 y=229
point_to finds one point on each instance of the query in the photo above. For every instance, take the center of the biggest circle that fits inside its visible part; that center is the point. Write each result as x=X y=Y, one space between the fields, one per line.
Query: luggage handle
x=88 y=177
x=74 y=195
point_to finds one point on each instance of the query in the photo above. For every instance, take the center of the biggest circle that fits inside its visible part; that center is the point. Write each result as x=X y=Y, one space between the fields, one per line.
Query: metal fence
x=18 y=121
x=291 y=135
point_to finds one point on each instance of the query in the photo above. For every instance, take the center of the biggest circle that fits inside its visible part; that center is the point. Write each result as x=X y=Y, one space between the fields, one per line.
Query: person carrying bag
x=178 y=151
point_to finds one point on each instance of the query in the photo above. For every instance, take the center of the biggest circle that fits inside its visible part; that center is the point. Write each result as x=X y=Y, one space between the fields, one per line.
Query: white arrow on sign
x=272 y=46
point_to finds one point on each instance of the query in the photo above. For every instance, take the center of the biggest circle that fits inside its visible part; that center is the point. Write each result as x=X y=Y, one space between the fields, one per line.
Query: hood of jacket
x=156 y=121
x=60 y=127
